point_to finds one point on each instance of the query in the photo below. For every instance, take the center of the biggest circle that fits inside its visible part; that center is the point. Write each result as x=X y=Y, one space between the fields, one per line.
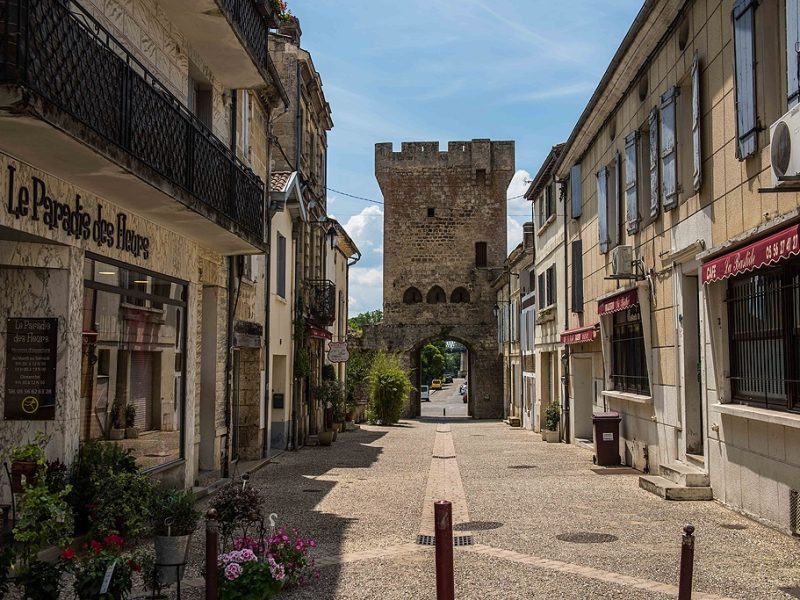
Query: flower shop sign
x=31 y=345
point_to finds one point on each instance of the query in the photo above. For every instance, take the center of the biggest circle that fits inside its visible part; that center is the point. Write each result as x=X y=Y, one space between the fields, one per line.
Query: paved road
x=447 y=399
x=543 y=525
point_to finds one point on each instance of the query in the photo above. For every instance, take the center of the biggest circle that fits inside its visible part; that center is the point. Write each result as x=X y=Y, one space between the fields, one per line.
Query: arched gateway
x=444 y=230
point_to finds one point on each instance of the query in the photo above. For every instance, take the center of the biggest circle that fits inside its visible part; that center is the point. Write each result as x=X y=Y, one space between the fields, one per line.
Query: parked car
x=448 y=378
x=436 y=384
x=424 y=394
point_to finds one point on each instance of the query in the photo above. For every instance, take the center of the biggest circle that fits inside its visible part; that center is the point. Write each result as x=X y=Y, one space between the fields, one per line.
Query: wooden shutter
x=577 y=276
x=280 y=271
x=669 y=153
x=602 y=208
x=745 y=77
x=631 y=183
x=575 y=189
x=697 y=158
x=655 y=186
x=542 y=291
x=480 y=254
x=551 y=285
x=793 y=50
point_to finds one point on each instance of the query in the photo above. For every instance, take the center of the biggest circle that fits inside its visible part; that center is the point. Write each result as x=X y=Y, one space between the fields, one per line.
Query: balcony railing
x=251 y=19
x=321 y=301
x=60 y=52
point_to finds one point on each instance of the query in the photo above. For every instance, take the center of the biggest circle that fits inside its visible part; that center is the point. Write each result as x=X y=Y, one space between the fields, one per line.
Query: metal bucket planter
x=172 y=553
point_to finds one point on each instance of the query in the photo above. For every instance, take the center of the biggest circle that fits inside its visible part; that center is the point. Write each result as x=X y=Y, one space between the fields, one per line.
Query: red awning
x=580 y=335
x=319 y=333
x=619 y=302
x=772 y=249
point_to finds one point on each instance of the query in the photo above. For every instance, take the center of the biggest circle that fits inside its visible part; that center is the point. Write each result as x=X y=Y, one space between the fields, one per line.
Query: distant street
x=447 y=399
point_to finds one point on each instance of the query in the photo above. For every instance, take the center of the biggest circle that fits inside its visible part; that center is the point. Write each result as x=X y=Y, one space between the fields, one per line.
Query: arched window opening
x=460 y=295
x=412 y=296
x=436 y=295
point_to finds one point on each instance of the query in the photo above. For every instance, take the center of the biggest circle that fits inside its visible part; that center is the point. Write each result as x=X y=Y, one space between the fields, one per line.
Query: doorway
x=583 y=398
x=691 y=390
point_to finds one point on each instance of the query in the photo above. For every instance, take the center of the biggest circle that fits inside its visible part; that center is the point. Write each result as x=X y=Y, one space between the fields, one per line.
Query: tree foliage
x=357 y=324
x=432 y=361
x=389 y=389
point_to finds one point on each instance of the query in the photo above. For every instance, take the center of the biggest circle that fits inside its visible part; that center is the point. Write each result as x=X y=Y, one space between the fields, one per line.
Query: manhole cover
x=522 y=467
x=733 y=526
x=586 y=537
x=312 y=491
x=477 y=526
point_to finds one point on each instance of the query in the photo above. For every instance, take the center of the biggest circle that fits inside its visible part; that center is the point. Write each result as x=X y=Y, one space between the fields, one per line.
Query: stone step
x=685 y=475
x=669 y=490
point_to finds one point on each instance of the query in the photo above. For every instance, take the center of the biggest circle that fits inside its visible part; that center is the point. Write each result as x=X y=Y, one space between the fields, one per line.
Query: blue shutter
x=655 y=187
x=745 y=76
x=631 y=171
x=793 y=50
x=602 y=208
x=669 y=150
x=575 y=189
x=697 y=159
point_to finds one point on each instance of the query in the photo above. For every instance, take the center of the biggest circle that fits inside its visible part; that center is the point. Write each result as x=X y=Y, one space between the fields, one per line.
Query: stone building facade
x=444 y=244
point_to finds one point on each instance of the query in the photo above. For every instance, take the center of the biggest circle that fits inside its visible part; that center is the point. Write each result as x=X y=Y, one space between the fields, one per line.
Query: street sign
x=338 y=352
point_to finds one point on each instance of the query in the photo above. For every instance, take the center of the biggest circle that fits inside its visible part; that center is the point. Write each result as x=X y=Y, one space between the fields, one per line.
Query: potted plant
x=552 y=421
x=117 y=431
x=131 y=431
x=44 y=519
x=122 y=506
x=26 y=462
x=174 y=520
x=238 y=505
x=39 y=580
x=90 y=565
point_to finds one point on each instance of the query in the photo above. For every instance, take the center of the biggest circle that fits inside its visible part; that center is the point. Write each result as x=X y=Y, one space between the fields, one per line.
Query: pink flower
x=232 y=571
x=299 y=545
x=312 y=543
x=247 y=555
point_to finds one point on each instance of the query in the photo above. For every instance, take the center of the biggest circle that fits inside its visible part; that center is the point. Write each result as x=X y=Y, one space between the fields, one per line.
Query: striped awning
x=580 y=335
x=618 y=302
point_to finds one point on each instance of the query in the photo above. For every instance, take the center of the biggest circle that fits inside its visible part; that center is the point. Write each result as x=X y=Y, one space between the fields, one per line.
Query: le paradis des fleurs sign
x=31 y=200
x=31 y=355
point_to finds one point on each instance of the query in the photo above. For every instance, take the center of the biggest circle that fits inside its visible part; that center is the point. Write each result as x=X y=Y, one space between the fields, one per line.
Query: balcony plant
x=131 y=431
x=89 y=566
x=175 y=518
x=552 y=421
x=27 y=461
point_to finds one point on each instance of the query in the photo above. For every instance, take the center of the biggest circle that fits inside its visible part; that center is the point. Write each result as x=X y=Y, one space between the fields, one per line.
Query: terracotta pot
x=20 y=469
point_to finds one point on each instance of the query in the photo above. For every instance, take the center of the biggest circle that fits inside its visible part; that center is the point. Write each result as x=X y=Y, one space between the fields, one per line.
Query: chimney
x=527 y=236
x=291 y=29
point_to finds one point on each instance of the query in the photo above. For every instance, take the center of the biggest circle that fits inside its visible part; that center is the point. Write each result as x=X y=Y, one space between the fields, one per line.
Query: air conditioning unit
x=622 y=261
x=784 y=139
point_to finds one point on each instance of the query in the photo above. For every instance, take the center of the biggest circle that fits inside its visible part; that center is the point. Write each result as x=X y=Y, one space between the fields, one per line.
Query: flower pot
x=325 y=438
x=172 y=553
x=131 y=433
x=20 y=469
x=116 y=434
x=551 y=437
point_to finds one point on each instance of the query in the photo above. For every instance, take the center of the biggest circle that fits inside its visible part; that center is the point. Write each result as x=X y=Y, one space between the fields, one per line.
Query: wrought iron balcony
x=321 y=301
x=251 y=19
x=60 y=53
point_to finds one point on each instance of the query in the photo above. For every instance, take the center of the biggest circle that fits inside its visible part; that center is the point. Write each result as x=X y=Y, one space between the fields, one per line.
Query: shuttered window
x=549 y=202
x=602 y=208
x=697 y=158
x=577 y=276
x=793 y=50
x=575 y=189
x=631 y=183
x=614 y=199
x=551 y=285
x=280 y=270
x=655 y=187
x=669 y=150
x=481 y=257
x=542 y=292
x=745 y=77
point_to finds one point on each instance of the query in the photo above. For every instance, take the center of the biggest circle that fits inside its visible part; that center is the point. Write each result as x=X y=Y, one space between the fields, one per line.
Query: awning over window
x=319 y=333
x=619 y=302
x=580 y=335
x=767 y=251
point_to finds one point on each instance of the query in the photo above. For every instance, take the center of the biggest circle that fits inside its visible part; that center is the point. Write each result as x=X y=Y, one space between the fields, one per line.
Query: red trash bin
x=606 y=438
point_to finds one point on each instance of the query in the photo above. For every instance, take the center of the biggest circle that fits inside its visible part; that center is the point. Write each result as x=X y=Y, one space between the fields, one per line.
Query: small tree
x=552 y=416
x=389 y=389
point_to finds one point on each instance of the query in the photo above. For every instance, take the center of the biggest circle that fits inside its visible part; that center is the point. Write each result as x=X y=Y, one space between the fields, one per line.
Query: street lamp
x=508 y=343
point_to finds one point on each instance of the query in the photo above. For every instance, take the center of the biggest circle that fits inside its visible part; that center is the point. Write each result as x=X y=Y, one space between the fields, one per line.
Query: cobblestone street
x=367 y=497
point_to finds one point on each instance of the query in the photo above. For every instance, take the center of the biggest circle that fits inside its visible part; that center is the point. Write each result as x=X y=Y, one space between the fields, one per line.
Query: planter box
x=116 y=434
x=551 y=437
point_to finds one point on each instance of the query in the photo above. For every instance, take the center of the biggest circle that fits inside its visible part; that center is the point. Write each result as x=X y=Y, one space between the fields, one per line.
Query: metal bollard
x=212 y=552
x=687 y=564
x=443 y=526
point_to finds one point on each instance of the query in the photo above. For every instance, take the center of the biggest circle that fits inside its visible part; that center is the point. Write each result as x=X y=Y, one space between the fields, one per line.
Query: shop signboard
x=338 y=352
x=31 y=345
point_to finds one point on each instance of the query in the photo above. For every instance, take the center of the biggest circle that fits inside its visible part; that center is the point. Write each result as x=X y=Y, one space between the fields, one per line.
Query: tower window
x=431 y=211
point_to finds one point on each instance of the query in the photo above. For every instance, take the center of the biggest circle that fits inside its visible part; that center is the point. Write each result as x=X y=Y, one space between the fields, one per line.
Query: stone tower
x=444 y=243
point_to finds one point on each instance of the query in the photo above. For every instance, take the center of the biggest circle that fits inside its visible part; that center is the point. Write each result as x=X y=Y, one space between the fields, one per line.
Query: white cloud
x=366 y=277
x=367 y=226
x=555 y=92
x=517 y=205
x=366 y=289
x=514 y=234
x=369 y=276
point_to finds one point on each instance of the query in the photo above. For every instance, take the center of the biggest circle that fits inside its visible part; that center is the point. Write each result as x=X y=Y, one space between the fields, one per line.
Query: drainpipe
x=293 y=433
x=265 y=446
x=567 y=430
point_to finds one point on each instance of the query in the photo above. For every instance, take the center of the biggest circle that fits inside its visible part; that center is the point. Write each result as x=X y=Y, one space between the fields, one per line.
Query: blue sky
x=445 y=70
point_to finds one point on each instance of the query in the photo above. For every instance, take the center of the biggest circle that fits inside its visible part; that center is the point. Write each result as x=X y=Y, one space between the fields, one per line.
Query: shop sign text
x=31 y=346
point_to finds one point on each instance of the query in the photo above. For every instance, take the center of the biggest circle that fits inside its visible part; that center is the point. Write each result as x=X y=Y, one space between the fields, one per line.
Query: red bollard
x=687 y=564
x=443 y=526
x=212 y=552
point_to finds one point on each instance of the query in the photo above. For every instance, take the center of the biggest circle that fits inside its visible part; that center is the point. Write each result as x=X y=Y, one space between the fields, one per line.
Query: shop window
x=412 y=296
x=133 y=367
x=764 y=334
x=628 y=363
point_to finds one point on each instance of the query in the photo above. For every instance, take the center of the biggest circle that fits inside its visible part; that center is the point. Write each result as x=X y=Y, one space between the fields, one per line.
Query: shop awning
x=775 y=248
x=580 y=335
x=319 y=333
x=618 y=302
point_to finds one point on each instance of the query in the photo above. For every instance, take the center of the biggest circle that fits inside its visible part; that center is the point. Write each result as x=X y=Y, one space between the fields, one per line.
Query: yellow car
x=436 y=384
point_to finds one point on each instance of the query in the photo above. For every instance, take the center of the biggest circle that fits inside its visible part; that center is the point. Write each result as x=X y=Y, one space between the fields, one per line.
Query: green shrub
x=122 y=507
x=177 y=506
x=332 y=391
x=552 y=416
x=389 y=389
x=45 y=519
